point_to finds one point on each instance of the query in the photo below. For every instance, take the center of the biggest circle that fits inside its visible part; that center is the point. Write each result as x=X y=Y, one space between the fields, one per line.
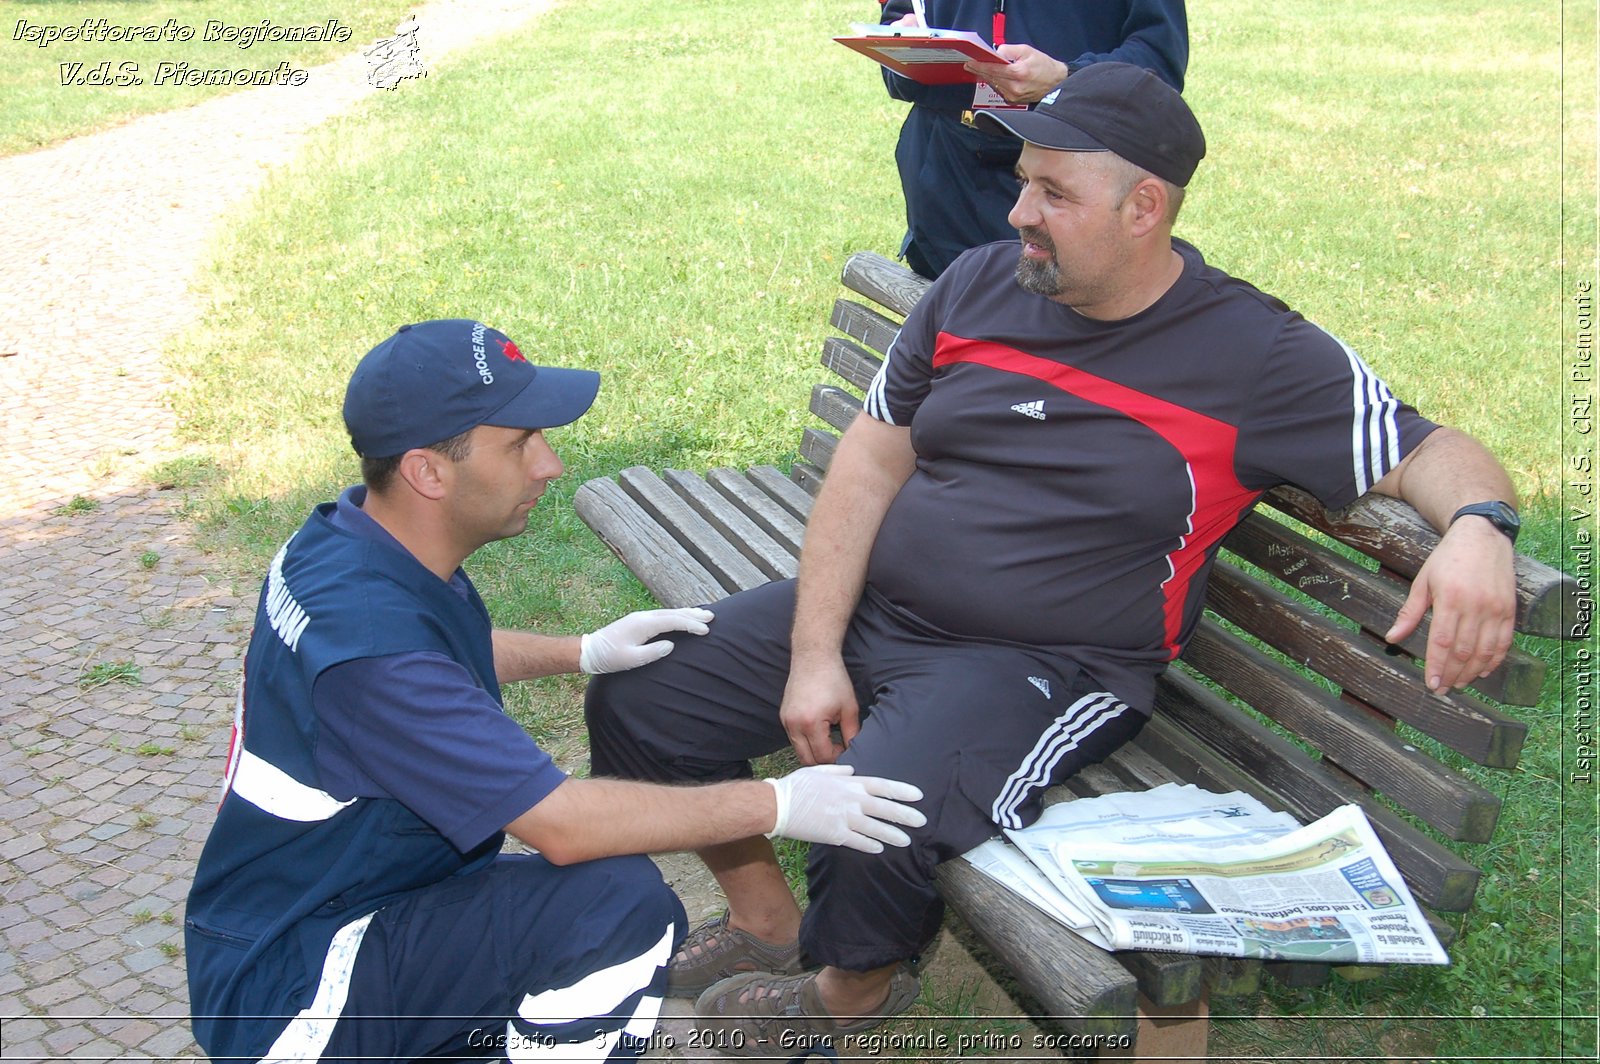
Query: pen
x=922 y=14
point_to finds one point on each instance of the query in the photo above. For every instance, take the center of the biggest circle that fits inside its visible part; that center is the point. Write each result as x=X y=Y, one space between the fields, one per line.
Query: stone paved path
x=118 y=657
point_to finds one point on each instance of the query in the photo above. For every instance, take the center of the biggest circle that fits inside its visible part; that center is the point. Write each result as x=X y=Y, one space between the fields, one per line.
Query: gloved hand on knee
x=625 y=643
x=830 y=804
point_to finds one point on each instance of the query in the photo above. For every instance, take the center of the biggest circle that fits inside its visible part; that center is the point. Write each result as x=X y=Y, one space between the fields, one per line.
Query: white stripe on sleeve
x=1374 y=430
x=874 y=402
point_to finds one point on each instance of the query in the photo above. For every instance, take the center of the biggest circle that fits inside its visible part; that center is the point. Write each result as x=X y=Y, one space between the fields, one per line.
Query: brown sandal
x=714 y=951
x=762 y=1014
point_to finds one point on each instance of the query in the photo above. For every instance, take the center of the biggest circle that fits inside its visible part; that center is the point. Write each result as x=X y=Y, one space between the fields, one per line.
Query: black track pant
x=981 y=728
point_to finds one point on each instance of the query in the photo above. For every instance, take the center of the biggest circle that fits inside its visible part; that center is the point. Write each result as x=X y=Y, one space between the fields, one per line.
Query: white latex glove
x=625 y=643
x=828 y=803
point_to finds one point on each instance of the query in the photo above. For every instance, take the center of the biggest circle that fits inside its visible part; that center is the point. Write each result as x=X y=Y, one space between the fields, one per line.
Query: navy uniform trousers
x=959 y=184
x=520 y=961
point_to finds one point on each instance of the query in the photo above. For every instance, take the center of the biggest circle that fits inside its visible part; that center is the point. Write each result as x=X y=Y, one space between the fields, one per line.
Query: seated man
x=351 y=901
x=1013 y=541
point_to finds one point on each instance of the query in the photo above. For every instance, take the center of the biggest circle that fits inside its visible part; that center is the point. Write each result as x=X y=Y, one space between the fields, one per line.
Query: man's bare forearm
x=1447 y=471
x=585 y=819
x=526 y=655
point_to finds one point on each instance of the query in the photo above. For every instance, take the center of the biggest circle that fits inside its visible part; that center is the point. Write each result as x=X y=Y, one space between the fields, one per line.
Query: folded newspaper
x=1180 y=869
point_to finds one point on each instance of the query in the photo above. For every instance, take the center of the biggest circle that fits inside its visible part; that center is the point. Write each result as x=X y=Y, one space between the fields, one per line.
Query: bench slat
x=1078 y=983
x=1137 y=770
x=884 y=282
x=873 y=330
x=772 y=518
x=1167 y=979
x=1360 y=745
x=782 y=490
x=732 y=570
x=1233 y=976
x=853 y=365
x=1357 y=662
x=743 y=535
x=664 y=567
x=1230 y=750
x=1370 y=599
x=817 y=446
x=1197 y=762
x=807 y=476
x=834 y=405
x=1395 y=534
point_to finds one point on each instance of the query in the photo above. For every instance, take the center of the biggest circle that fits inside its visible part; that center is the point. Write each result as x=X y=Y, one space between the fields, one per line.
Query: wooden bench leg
x=1169 y=1034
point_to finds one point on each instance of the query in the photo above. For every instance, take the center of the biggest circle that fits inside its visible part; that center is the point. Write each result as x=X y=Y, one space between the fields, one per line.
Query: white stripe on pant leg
x=599 y=992
x=596 y=994
x=1065 y=736
x=643 y=1023
x=1069 y=744
x=1059 y=748
x=307 y=1034
x=1034 y=770
x=523 y=1048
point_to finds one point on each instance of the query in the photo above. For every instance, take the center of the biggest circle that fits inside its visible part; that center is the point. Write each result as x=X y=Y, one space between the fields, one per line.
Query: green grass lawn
x=668 y=199
x=48 y=96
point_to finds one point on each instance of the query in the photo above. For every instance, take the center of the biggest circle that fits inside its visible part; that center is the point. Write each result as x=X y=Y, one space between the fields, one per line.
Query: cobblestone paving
x=118 y=657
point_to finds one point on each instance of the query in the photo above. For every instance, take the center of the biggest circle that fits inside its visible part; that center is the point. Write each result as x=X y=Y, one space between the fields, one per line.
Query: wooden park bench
x=1349 y=718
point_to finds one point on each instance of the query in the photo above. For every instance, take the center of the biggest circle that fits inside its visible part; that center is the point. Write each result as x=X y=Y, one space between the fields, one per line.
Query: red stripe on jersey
x=1206 y=445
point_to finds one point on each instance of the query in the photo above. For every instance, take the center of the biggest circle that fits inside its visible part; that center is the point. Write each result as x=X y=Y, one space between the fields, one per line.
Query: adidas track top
x=1074 y=477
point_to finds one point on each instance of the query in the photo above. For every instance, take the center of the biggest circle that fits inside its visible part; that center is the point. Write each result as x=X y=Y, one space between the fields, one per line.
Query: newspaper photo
x=1182 y=870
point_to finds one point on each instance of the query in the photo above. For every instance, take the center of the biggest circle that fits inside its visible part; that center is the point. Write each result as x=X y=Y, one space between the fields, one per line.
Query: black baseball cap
x=437 y=379
x=1115 y=107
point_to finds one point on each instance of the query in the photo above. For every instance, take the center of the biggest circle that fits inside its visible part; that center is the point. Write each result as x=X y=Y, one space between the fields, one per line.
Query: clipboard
x=928 y=56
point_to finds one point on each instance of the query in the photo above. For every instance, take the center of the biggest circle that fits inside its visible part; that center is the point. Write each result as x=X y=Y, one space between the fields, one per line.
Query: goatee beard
x=1042 y=278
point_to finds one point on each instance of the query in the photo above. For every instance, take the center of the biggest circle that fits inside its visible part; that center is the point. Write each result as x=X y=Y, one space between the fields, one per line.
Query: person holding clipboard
x=957 y=180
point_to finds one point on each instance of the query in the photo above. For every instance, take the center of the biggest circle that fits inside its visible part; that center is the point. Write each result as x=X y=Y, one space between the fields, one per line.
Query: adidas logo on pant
x=1034 y=409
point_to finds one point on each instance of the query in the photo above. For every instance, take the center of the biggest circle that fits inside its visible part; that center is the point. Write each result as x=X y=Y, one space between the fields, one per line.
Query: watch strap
x=1500 y=514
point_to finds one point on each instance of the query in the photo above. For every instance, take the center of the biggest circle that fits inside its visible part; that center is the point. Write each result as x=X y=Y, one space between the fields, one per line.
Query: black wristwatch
x=1500 y=515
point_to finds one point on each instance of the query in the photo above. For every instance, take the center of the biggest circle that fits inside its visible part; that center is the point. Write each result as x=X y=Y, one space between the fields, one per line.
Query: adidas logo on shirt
x=1034 y=409
x=1042 y=684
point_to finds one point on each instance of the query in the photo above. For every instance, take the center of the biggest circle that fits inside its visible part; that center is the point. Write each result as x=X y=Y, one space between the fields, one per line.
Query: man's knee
x=608 y=696
x=630 y=876
x=653 y=903
x=621 y=898
x=612 y=742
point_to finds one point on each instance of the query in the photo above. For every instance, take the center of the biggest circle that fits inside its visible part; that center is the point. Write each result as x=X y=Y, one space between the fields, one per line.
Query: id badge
x=984 y=97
